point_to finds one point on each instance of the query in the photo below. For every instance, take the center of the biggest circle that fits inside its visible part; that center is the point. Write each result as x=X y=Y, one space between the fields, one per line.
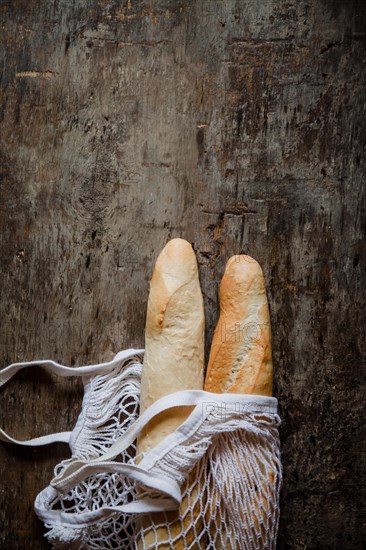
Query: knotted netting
x=212 y=484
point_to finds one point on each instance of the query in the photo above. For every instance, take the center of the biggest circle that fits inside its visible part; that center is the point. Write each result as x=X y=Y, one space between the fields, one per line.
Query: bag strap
x=61 y=370
x=58 y=437
x=86 y=518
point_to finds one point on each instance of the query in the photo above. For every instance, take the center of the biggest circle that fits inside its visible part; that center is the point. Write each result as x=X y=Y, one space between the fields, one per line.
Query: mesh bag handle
x=10 y=371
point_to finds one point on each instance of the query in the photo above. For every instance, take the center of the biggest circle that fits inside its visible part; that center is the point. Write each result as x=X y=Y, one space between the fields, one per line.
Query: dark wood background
x=238 y=125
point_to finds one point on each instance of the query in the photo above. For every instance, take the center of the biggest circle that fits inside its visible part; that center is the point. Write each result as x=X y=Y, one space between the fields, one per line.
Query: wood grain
x=238 y=126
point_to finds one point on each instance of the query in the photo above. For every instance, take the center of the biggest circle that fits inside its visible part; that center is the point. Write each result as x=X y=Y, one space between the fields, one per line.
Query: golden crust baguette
x=241 y=355
x=174 y=357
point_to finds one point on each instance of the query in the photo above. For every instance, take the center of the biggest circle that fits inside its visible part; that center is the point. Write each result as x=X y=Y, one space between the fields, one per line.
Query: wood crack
x=235 y=210
x=330 y=46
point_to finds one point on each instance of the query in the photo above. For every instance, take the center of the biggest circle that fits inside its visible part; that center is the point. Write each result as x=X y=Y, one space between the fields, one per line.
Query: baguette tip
x=243 y=267
x=177 y=259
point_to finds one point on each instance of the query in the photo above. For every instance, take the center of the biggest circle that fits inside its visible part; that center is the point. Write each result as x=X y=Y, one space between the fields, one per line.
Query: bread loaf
x=174 y=357
x=241 y=360
x=241 y=353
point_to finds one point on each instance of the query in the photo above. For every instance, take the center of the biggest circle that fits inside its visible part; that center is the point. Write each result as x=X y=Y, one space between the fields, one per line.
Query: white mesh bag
x=223 y=464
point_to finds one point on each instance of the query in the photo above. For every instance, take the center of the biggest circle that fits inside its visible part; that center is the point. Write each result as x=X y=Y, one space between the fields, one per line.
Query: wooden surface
x=238 y=125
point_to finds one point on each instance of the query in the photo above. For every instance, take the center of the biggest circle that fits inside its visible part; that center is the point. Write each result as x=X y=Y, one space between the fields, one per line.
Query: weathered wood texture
x=238 y=125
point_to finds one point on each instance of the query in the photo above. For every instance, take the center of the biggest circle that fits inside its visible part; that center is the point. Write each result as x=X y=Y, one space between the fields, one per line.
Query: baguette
x=241 y=358
x=173 y=361
x=241 y=354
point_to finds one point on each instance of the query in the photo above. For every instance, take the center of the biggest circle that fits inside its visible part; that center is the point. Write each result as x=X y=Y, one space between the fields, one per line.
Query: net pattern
x=228 y=468
x=110 y=406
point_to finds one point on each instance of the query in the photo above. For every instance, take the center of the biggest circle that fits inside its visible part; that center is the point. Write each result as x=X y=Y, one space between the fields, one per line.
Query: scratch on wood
x=259 y=41
x=36 y=74
x=125 y=43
